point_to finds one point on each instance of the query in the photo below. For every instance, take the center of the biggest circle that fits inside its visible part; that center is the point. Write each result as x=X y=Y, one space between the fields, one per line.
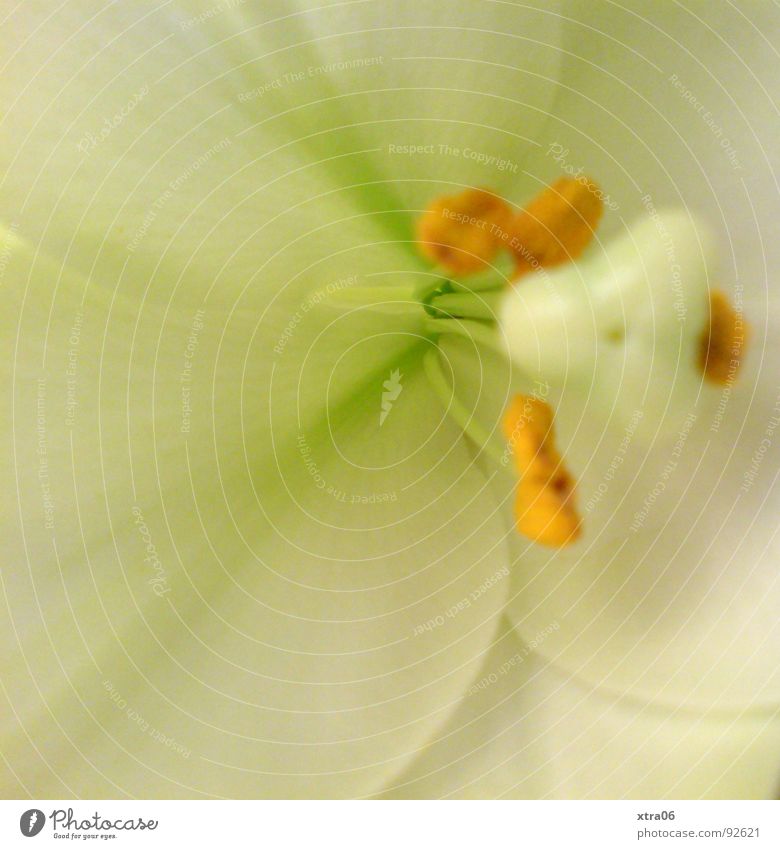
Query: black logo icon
x=31 y=822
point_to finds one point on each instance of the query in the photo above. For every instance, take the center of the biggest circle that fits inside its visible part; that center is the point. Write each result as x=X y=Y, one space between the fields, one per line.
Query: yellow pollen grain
x=723 y=341
x=544 y=505
x=463 y=232
x=557 y=225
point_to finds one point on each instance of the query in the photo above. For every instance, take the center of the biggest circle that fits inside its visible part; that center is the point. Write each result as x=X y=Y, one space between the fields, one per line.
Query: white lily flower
x=249 y=551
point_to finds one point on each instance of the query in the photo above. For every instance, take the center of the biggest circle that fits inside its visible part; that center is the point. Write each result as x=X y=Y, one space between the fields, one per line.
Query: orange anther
x=463 y=232
x=557 y=225
x=544 y=506
x=723 y=341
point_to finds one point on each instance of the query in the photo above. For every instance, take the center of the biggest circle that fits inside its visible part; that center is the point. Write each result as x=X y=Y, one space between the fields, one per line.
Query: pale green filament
x=464 y=418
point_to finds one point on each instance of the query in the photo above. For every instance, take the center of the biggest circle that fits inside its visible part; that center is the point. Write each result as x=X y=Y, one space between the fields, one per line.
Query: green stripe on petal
x=194 y=612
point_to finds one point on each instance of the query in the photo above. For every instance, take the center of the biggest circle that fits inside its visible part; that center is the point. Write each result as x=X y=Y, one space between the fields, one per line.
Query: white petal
x=150 y=133
x=526 y=729
x=678 y=102
x=672 y=593
x=281 y=619
x=197 y=224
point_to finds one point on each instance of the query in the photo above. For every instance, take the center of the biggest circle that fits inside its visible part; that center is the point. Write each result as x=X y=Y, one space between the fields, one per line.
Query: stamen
x=544 y=507
x=723 y=341
x=463 y=232
x=556 y=226
x=482 y=306
x=477 y=332
x=466 y=419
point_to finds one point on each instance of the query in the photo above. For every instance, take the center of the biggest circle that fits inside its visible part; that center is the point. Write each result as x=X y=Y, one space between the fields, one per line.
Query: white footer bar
x=392 y=825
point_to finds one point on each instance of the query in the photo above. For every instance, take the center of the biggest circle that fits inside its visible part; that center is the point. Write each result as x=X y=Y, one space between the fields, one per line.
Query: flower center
x=633 y=325
x=588 y=317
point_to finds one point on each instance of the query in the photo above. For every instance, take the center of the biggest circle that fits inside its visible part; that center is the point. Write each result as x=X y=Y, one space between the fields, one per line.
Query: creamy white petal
x=527 y=729
x=300 y=112
x=188 y=611
x=174 y=156
x=673 y=590
x=280 y=618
